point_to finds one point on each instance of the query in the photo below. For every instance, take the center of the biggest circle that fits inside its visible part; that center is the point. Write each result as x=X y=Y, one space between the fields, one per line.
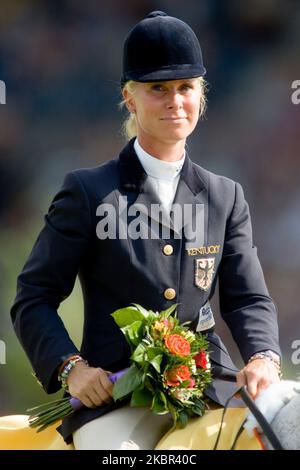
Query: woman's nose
x=174 y=100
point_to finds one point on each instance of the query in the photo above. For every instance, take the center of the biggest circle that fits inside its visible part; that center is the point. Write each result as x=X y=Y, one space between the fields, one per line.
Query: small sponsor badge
x=204 y=272
x=206 y=318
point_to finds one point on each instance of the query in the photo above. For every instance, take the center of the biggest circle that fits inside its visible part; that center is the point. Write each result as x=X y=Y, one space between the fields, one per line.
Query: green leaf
x=152 y=316
x=158 y=406
x=127 y=383
x=142 y=397
x=163 y=398
x=133 y=332
x=199 y=407
x=155 y=356
x=139 y=353
x=126 y=316
x=166 y=313
x=172 y=409
x=183 y=419
x=142 y=310
x=153 y=352
x=185 y=383
x=149 y=374
x=156 y=362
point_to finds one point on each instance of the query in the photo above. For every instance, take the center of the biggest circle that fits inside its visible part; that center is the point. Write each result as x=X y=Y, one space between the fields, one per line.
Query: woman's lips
x=174 y=118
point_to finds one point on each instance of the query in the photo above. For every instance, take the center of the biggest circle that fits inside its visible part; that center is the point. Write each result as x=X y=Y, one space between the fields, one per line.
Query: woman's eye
x=157 y=87
x=186 y=87
x=161 y=88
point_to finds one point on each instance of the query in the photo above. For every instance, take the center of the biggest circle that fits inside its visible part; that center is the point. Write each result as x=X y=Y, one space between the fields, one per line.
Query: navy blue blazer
x=117 y=271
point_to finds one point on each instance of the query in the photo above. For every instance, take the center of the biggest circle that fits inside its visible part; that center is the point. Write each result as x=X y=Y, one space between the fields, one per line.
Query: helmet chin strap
x=265 y=426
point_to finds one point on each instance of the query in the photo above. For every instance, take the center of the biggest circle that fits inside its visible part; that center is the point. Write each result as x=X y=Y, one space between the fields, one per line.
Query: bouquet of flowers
x=169 y=369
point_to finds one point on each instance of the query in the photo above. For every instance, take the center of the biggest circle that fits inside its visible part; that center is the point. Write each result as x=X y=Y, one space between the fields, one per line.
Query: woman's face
x=166 y=112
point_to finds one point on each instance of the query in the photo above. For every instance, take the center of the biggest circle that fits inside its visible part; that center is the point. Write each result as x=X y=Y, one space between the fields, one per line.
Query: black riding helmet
x=161 y=47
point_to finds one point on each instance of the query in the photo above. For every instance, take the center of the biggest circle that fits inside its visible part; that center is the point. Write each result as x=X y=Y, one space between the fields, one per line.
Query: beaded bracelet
x=61 y=367
x=263 y=355
x=63 y=376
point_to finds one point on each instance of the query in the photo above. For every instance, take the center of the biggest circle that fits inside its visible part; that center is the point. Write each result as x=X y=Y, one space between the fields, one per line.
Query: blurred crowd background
x=61 y=63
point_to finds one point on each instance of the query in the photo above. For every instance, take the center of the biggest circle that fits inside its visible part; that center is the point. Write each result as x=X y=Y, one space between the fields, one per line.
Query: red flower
x=178 y=345
x=201 y=359
x=177 y=375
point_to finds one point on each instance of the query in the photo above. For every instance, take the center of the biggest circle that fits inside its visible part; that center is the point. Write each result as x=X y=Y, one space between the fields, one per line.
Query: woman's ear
x=129 y=101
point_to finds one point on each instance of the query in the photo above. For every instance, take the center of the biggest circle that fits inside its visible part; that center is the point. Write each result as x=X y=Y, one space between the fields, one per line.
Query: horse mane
x=280 y=405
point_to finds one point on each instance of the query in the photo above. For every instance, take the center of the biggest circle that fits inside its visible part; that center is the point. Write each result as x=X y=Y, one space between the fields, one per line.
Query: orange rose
x=177 y=375
x=178 y=345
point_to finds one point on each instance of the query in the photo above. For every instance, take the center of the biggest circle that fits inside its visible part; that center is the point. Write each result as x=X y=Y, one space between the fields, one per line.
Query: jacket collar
x=133 y=175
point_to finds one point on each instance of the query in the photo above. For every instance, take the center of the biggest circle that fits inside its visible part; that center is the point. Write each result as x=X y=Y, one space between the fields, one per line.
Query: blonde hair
x=129 y=126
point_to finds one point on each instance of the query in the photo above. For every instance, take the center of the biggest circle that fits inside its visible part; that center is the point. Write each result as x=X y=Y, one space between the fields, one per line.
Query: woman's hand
x=90 y=385
x=257 y=375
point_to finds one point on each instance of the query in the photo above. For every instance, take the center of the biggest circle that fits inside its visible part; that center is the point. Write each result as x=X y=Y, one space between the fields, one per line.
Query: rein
x=265 y=426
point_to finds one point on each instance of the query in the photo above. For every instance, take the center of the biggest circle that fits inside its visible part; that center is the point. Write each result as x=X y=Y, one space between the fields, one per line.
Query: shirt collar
x=158 y=168
x=133 y=175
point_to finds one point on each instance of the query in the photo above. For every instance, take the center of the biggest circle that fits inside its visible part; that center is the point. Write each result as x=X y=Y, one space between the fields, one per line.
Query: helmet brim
x=176 y=72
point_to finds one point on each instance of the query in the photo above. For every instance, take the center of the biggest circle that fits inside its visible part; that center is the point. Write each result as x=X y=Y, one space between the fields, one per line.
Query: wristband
x=269 y=356
x=63 y=376
x=61 y=367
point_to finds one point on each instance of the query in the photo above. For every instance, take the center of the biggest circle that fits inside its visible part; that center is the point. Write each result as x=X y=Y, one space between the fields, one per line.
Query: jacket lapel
x=189 y=202
x=136 y=184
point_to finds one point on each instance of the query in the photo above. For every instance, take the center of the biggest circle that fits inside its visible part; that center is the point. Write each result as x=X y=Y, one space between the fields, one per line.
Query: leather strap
x=265 y=426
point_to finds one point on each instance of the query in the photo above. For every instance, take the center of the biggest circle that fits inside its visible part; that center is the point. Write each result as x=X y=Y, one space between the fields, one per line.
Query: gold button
x=168 y=250
x=170 y=294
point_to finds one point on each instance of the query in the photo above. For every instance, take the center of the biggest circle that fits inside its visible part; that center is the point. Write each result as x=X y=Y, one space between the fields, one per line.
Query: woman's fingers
x=240 y=379
x=90 y=385
x=86 y=401
x=105 y=386
x=257 y=375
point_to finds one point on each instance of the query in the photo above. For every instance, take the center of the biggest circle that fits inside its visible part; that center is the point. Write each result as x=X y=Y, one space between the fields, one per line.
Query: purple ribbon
x=116 y=375
x=77 y=404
